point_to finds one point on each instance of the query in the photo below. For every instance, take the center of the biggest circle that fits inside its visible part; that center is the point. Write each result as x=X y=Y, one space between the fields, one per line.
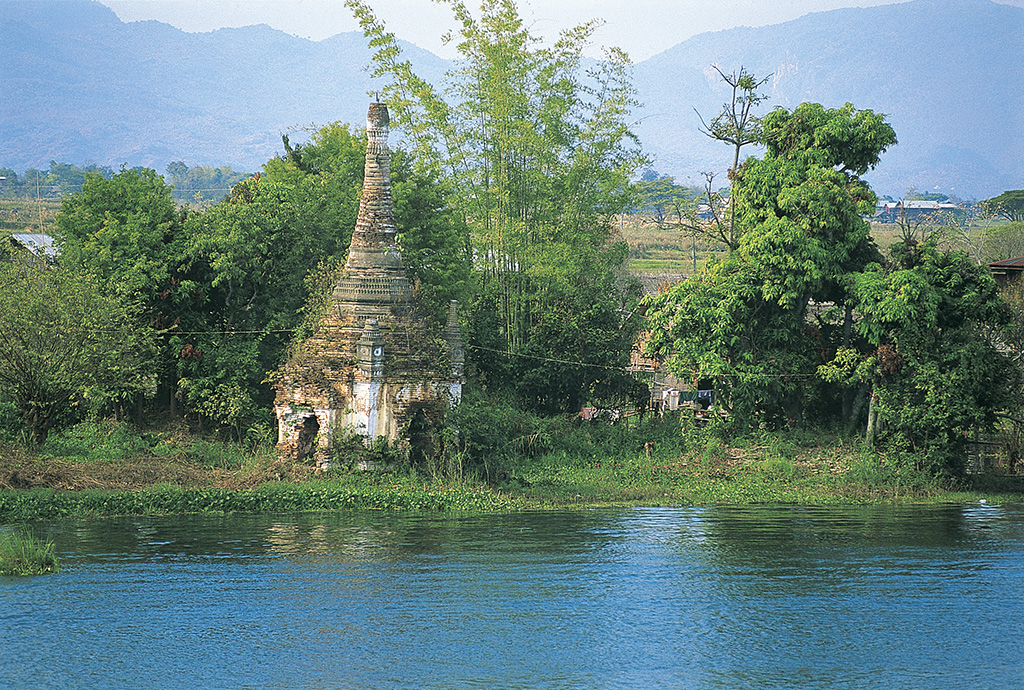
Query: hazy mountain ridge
x=942 y=70
x=81 y=85
x=78 y=85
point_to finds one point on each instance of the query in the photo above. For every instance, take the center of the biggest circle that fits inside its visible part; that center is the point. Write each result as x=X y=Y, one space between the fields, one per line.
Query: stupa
x=373 y=366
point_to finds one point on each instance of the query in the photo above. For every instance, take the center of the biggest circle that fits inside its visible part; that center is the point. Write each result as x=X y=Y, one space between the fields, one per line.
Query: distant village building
x=912 y=210
x=373 y=367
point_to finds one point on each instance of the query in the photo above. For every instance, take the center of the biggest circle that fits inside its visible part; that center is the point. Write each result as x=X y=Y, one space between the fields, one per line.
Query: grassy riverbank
x=113 y=470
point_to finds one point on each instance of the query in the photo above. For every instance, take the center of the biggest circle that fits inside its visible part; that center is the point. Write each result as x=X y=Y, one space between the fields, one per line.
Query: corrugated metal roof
x=1016 y=264
x=36 y=242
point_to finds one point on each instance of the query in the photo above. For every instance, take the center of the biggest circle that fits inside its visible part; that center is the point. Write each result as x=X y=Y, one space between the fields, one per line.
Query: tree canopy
x=806 y=310
x=745 y=320
x=124 y=230
x=66 y=344
x=1009 y=205
x=930 y=318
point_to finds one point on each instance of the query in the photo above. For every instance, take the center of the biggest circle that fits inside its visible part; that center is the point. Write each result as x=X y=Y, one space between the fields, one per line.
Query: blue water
x=720 y=597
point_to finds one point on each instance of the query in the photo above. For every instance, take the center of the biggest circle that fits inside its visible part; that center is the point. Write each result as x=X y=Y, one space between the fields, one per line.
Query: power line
x=546 y=359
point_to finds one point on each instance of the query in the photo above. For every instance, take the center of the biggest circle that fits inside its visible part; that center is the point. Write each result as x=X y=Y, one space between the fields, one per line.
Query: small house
x=1007 y=271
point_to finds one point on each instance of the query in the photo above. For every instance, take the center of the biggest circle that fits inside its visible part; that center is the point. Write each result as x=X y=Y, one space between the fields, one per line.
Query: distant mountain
x=946 y=72
x=77 y=85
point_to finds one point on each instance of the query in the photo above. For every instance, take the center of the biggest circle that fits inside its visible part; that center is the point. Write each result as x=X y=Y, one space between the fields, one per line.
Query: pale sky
x=641 y=27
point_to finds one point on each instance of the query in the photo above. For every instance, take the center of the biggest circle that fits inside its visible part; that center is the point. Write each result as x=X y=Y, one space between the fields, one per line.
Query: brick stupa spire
x=375 y=278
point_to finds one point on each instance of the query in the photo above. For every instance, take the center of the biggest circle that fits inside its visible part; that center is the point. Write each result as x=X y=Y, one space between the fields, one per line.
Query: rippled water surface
x=721 y=597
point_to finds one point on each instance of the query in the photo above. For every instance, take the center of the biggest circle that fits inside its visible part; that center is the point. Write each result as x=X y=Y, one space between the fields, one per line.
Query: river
x=714 y=597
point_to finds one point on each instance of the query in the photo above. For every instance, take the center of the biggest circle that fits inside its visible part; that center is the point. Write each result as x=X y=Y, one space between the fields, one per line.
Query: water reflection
x=775 y=597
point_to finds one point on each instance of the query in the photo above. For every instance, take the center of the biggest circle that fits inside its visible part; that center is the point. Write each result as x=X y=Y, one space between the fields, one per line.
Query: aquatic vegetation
x=21 y=553
x=358 y=493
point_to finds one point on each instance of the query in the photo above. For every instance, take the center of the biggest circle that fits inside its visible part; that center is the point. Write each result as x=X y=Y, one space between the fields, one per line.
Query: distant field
x=27 y=215
x=653 y=250
x=660 y=250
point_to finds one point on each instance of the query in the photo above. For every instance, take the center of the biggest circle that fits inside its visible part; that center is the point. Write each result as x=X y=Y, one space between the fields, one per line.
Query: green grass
x=567 y=464
x=23 y=554
x=772 y=468
x=95 y=441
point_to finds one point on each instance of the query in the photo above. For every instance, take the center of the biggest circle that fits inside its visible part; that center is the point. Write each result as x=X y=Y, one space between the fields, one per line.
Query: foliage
x=913 y=194
x=57 y=181
x=1009 y=205
x=202 y=184
x=489 y=434
x=128 y=233
x=538 y=153
x=371 y=493
x=124 y=230
x=23 y=554
x=745 y=321
x=11 y=431
x=91 y=440
x=199 y=278
x=936 y=372
x=242 y=289
x=561 y=462
x=67 y=344
x=664 y=201
x=436 y=248
x=225 y=287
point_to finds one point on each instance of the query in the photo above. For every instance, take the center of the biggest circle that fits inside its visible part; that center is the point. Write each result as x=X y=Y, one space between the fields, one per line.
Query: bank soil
x=19 y=470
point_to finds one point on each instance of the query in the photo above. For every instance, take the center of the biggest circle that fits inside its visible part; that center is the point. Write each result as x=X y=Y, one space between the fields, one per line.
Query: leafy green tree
x=66 y=178
x=538 y=153
x=127 y=233
x=664 y=201
x=246 y=260
x=436 y=247
x=125 y=230
x=67 y=344
x=1009 y=205
x=937 y=375
x=746 y=320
